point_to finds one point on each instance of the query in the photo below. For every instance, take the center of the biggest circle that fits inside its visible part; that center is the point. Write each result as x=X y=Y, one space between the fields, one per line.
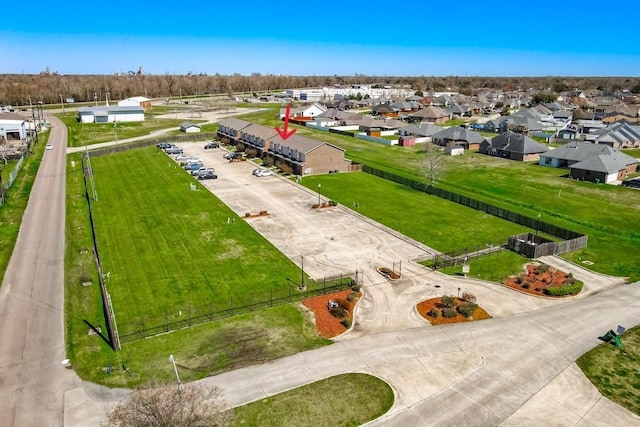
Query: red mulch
x=537 y=281
x=327 y=325
x=424 y=307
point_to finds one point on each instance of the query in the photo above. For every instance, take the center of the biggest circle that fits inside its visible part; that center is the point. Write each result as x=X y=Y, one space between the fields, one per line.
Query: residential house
x=108 y=114
x=188 y=127
x=258 y=137
x=590 y=162
x=384 y=110
x=412 y=134
x=513 y=146
x=306 y=156
x=304 y=112
x=229 y=129
x=457 y=135
x=617 y=135
x=430 y=114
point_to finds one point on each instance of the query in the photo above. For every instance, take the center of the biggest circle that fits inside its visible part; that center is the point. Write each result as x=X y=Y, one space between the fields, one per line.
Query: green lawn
x=607 y=214
x=343 y=400
x=440 y=224
x=167 y=248
x=92 y=133
x=614 y=371
x=493 y=268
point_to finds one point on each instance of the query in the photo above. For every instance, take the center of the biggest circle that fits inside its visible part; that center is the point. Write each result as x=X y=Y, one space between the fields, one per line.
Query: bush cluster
x=449 y=313
x=434 y=312
x=467 y=308
x=341 y=310
x=469 y=297
x=448 y=301
x=558 y=291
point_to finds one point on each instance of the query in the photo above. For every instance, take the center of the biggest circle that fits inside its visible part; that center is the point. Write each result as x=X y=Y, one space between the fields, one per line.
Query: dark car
x=211 y=145
x=163 y=145
x=207 y=175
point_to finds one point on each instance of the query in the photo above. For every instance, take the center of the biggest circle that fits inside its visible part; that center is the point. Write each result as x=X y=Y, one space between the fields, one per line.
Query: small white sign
x=465 y=268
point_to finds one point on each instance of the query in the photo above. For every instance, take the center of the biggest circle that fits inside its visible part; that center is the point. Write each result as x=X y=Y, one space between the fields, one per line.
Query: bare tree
x=167 y=406
x=434 y=162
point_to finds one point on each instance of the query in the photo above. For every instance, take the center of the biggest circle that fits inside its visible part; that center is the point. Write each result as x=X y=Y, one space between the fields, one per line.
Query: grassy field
x=343 y=400
x=435 y=222
x=492 y=268
x=614 y=371
x=530 y=189
x=167 y=247
x=80 y=134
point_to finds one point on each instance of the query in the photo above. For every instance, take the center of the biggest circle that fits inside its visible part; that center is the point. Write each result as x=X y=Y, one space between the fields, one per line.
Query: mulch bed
x=425 y=306
x=327 y=325
x=537 y=280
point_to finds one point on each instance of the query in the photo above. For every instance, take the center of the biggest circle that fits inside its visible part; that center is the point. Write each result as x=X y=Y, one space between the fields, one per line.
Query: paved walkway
x=514 y=369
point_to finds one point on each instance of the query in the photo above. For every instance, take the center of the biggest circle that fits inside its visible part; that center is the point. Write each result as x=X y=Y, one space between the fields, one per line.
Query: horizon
x=474 y=40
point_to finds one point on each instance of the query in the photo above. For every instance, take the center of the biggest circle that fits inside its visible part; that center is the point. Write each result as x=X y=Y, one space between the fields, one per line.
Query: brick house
x=513 y=146
x=306 y=156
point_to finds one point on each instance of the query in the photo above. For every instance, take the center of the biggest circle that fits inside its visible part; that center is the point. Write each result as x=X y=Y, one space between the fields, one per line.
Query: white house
x=189 y=127
x=13 y=127
x=136 y=101
x=312 y=110
x=110 y=114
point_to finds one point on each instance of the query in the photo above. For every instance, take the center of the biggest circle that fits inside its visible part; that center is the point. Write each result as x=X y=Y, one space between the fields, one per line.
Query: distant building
x=187 y=127
x=13 y=127
x=136 y=101
x=110 y=114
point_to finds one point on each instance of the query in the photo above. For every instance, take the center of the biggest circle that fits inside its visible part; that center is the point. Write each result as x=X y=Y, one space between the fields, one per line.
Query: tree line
x=24 y=89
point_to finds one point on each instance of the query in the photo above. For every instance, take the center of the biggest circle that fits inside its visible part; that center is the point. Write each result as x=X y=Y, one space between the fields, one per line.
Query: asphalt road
x=32 y=303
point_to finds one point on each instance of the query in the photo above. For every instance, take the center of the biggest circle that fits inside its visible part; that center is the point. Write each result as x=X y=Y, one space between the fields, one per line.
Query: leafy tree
x=544 y=97
x=166 y=405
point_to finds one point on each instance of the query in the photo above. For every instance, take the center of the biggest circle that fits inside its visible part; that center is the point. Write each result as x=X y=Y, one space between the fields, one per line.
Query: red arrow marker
x=284 y=133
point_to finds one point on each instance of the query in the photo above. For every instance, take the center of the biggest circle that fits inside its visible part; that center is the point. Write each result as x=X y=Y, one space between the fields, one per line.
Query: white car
x=49 y=147
x=263 y=172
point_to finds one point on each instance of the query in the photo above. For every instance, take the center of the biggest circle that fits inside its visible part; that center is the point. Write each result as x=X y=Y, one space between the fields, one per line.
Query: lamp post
x=173 y=361
x=537 y=224
x=115 y=129
x=319 y=185
x=302 y=271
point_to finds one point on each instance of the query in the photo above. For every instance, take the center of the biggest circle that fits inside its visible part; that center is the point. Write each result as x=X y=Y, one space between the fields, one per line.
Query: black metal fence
x=189 y=315
x=119 y=148
x=462 y=255
x=571 y=240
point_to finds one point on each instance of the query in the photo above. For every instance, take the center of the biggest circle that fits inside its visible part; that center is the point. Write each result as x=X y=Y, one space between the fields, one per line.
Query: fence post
x=324 y=285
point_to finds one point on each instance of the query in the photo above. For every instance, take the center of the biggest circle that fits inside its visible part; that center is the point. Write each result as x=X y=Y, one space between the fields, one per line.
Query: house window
x=547 y=160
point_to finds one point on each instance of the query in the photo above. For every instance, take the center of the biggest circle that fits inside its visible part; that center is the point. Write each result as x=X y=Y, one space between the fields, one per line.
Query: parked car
x=49 y=147
x=193 y=166
x=163 y=145
x=263 y=172
x=174 y=150
x=201 y=171
x=207 y=175
x=193 y=160
x=227 y=155
x=211 y=145
x=182 y=158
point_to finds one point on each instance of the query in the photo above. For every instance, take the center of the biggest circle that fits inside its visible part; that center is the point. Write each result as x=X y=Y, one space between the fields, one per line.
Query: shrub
x=355 y=286
x=518 y=280
x=338 y=311
x=434 y=312
x=264 y=213
x=315 y=206
x=526 y=285
x=247 y=215
x=353 y=296
x=467 y=308
x=469 y=297
x=448 y=301
x=558 y=291
x=449 y=313
x=332 y=203
x=346 y=322
x=541 y=268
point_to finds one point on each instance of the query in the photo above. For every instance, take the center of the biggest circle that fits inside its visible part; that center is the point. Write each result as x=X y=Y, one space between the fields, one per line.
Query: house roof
x=620 y=132
x=185 y=125
x=12 y=117
x=260 y=131
x=109 y=109
x=457 y=133
x=607 y=163
x=425 y=129
x=517 y=143
x=430 y=112
x=301 y=143
x=577 y=151
x=233 y=123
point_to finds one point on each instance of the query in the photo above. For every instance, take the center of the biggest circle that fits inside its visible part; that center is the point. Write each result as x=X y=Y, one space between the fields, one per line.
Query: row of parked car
x=193 y=165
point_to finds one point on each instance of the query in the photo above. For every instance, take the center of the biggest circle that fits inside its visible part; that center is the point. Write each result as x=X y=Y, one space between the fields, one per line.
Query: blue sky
x=410 y=38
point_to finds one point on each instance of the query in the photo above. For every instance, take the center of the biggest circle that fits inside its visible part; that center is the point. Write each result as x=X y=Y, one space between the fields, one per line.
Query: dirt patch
x=388 y=273
x=327 y=325
x=425 y=307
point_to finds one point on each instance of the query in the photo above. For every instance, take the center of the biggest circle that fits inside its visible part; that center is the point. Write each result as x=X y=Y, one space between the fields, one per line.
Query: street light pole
x=173 y=361
x=537 y=224
x=319 y=185
x=302 y=271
